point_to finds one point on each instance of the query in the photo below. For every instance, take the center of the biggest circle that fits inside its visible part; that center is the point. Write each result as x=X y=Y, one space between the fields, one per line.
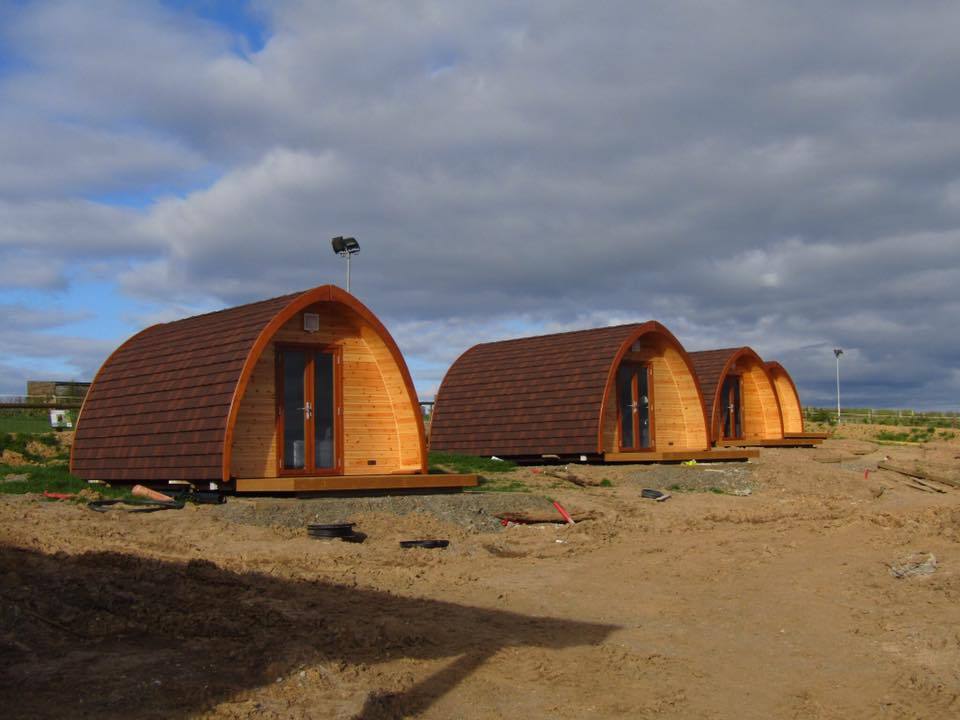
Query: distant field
x=24 y=424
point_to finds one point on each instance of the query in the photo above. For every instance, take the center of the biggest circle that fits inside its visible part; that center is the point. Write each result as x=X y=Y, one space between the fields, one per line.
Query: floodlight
x=345 y=247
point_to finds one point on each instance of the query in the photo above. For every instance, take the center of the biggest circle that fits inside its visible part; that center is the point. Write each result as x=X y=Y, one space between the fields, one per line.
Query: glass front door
x=731 y=418
x=633 y=405
x=308 y=410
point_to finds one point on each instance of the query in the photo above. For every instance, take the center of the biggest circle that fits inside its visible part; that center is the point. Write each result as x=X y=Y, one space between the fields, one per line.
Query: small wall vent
x=311 y=322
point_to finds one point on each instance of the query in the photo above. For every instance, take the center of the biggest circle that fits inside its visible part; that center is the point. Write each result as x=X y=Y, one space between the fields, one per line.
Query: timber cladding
x=195 y=399
x=761 y=414
x=788 y=396
x=554 y=394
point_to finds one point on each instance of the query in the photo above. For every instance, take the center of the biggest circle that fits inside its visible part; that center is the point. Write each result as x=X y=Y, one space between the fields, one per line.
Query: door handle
x=308 y=409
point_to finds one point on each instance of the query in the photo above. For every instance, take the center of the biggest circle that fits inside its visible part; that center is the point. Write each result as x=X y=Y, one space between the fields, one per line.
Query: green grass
x=500 y=485
x=55 y=478
x=24 y=424
x=450 y=462
x=916 y=435
x=606 y=482
x=946 y=435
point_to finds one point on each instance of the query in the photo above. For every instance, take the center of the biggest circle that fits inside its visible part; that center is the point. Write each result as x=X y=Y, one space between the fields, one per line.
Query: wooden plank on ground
x=808 y=435
x=918 y=472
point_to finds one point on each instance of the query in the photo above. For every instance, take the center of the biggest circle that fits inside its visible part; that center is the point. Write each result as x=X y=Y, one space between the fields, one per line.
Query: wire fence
x=871 y=416
x=40 y=401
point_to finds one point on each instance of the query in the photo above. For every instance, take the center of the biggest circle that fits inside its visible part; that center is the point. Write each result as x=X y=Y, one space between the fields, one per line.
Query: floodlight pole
x=837 y=353
x=345 y=247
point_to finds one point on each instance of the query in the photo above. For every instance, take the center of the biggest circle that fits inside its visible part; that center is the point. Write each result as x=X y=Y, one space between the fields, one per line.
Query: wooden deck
x=341 y=483
x=781 y=442
x=679 y=455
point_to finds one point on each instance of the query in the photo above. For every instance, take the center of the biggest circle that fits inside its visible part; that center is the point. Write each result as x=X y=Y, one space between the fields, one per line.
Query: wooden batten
x=711 y=455
x=342 y=483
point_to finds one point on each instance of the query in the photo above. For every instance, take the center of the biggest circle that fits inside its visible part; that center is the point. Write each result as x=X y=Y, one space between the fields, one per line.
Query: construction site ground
x=795 y=586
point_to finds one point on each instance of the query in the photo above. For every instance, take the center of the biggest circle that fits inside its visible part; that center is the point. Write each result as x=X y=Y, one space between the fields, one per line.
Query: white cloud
x=782 y=176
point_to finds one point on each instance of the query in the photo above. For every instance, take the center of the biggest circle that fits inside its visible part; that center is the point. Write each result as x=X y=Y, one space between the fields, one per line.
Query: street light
x=345 y=247
x=837 y=353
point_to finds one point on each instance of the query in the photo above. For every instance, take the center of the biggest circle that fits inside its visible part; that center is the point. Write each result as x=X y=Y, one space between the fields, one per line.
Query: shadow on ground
x=112 y=635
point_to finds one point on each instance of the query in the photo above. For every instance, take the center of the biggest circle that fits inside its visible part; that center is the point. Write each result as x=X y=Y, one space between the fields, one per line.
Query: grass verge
x=54 y=478
x=441 y=462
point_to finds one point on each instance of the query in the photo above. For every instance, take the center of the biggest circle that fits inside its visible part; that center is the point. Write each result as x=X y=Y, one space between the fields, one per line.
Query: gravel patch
x=472 y=511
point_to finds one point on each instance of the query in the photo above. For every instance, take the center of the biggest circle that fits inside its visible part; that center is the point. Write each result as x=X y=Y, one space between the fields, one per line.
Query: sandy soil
x=779 y=603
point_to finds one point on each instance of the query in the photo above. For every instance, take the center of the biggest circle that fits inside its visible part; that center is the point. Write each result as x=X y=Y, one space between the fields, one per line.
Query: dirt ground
x=759 y=590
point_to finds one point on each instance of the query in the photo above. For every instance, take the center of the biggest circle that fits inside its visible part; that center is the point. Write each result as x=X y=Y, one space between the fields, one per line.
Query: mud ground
x=716 y=604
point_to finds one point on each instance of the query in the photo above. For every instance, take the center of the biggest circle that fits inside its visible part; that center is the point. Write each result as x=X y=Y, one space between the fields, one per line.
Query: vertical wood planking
x=678 y=414
x=378 y=423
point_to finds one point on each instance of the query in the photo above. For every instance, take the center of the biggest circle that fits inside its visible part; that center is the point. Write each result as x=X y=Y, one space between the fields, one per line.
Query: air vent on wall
x=311 y=322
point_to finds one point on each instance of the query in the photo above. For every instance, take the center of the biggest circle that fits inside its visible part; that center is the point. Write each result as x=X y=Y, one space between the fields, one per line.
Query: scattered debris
x=572 y=477
x=657 y=495
x=689 y=463
x=921 y=563
x=16 y=477
x=564 y=514
x=58 y=496
x=533 y=517
x=741 y=492
x=143 y=491
x=335 y=531
x=145 y=504
x=430 y=544
x=919 y=473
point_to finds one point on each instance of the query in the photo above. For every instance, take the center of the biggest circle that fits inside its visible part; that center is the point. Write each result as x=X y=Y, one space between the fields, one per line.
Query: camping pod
x=302 y=392
x=790 y=406
x=740 y=398
x=626 y=393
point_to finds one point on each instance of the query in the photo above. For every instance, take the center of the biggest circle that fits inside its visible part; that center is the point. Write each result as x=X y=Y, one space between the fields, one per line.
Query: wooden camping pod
x=741 y=399
x=303 y=392
x=623 y=393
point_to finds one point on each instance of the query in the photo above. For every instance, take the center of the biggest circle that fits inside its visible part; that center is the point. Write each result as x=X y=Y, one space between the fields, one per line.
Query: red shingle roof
x=709 y=366
x=530 y=396
x=158 y=408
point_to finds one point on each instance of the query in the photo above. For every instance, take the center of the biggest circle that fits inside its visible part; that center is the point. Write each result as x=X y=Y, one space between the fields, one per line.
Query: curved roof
x=712 y=367
x=163 y=405
x=533 y=396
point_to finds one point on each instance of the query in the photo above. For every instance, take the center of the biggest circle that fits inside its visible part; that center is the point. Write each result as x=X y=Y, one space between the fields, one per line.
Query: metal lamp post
x=837 y=353
x=345 y=247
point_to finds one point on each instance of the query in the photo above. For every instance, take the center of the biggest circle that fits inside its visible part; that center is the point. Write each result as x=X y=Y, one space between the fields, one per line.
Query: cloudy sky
x=782 y=175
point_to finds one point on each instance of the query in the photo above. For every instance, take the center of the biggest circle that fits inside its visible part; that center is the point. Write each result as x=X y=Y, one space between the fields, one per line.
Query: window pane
x=324 y=419
x=294 y=362
x=625 y=405
x=643 y=390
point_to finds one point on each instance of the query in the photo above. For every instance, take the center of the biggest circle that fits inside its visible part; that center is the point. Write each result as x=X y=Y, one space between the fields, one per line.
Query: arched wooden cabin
x=298 y=393
x=793 y=425
x=625 y=393
x=740 y=398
